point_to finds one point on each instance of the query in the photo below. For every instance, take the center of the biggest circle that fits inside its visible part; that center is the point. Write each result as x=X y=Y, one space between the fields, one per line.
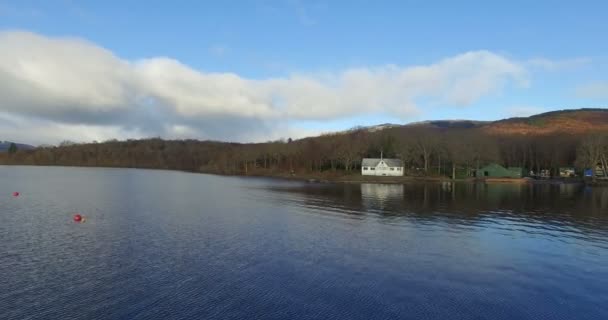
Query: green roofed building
x=497 y=171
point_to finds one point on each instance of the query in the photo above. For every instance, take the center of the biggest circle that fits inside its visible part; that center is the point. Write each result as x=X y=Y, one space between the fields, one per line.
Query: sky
x=251 y=71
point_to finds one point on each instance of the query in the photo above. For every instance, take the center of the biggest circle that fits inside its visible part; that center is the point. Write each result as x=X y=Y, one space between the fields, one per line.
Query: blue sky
x=552 y=55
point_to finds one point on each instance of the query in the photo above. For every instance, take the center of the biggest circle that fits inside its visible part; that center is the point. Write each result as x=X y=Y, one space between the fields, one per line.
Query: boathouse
x=495 y=170
x=381 y=167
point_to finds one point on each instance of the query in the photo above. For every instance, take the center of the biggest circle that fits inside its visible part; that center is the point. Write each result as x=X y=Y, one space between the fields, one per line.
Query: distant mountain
x=545 y=141
x=439 y=124
x=567 y=121
x=447 y=124
x=574 y=121
x=4 y=145
x=380 y=127
x=571 y=121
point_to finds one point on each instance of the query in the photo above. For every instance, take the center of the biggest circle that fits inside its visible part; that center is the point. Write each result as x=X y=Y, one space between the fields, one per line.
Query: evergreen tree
x=12 y=148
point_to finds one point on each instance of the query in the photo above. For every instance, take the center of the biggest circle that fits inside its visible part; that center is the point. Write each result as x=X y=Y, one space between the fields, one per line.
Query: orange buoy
x=15 y=194
x=78 y=218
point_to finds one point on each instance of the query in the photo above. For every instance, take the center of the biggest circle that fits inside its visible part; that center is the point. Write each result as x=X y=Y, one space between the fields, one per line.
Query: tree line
x=425 y=151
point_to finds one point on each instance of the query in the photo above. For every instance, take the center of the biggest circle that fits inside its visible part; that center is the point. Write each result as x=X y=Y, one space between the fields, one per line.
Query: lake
x=175 y=245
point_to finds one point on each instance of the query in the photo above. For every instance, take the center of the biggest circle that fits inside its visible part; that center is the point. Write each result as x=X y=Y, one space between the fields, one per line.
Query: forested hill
x=544 y=141
x=5 y=145
x=569 y=121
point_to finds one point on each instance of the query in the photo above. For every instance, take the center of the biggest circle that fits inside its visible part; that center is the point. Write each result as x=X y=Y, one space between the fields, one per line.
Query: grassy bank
x=356 y=177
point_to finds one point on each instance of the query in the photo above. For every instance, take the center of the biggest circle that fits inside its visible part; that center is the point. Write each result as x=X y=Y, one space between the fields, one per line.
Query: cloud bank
x=55 y=88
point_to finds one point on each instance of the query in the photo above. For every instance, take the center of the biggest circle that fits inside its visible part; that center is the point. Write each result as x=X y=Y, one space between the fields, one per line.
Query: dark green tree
x=12 y=148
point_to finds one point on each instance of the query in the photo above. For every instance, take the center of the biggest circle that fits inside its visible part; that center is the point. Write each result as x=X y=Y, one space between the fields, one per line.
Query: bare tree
x=591 y=152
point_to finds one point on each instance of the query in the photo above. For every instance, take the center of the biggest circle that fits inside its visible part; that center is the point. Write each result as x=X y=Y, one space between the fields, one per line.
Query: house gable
x=381 y=167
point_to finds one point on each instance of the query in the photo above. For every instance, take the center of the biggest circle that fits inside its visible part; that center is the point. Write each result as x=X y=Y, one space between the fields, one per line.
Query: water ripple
x=167 y=245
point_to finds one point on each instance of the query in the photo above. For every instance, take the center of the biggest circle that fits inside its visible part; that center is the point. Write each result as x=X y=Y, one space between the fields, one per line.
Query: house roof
x=373 y=162
x=496 y=166
x=492 y=165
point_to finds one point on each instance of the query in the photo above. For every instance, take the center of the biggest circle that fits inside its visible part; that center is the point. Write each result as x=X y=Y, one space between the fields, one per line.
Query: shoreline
x=412 y=179
x=335 y=177
x=358 y=178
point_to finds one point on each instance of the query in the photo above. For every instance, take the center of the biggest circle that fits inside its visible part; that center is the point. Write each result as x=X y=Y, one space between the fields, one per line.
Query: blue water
x=173 y=245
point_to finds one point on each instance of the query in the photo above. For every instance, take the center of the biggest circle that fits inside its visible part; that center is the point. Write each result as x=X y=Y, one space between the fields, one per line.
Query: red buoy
x=77 y=218
x=15 y=194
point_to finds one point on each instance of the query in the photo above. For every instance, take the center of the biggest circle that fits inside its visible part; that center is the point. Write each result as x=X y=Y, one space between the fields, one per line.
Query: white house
x=381 y=167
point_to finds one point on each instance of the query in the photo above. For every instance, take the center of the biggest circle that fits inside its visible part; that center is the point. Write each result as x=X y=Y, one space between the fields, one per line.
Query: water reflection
x=560 y=207
x=380 y=196
x=172 y=245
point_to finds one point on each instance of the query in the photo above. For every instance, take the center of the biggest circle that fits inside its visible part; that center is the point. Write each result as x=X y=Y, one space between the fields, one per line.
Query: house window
x=372 y=168
x=392 y=169
x=398 y=169
x=364 y=168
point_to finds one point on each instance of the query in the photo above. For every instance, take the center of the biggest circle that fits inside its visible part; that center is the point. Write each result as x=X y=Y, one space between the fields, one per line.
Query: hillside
x=449 y=124
x=578 y=121
x=4 y=145
x=546 y=141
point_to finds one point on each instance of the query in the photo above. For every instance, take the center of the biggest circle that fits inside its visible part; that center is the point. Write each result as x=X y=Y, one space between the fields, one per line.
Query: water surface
x=174 y=245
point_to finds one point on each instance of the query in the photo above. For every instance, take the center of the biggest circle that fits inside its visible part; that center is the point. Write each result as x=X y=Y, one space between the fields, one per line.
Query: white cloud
x=595 y=90
x=459 y=80
x=74 y=84
x=192 y=93
x=48 y=77
x=41 y=131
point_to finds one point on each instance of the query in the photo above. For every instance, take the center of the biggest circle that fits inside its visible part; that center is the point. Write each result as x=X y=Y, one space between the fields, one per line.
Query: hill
x=449 y=124
x=547 y=141
x=577 y=121
x=4 y=145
